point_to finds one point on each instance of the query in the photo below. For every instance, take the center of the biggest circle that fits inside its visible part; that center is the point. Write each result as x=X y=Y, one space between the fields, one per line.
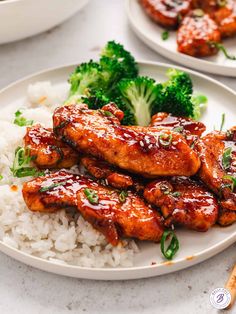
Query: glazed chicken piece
x=166 y=12
x=183 y=202
x=189 y=128
x=114 y=213
x=102 y=170
x=46 y=150
x=226 y=217
x=197 y=35
x=54 y=191
x=208 y=6
x=218 y=155
x=225 y=17
x=140 y=150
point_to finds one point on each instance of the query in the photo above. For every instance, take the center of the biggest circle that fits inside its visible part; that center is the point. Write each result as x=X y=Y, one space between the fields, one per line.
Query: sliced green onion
x=21 y=164
x=176 y=194
x=52 y=186
x=178 y=129
x=222 y=48
x=226 y=158
x=233 y=180
x=122 y=196
x=106 y=113
x=165 y=140
x=165 y=35
x=173 y=246
x=91 y=196
x=21 y=121
x=222 y=121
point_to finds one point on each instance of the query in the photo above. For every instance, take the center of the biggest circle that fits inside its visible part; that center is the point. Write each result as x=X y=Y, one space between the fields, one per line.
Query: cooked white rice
x=49 y=236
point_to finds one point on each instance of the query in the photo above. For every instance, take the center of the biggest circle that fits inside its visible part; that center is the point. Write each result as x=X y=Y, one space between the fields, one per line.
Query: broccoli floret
x=179 y=79
x=86 y=76
x=176 y=96
x=115 y=64
x=96 y=99
x=139 y=95
x=200 y=103
x=116 y=52
x=112 y=73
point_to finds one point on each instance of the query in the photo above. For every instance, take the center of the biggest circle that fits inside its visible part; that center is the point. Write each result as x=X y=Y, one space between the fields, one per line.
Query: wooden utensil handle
x=231 y=286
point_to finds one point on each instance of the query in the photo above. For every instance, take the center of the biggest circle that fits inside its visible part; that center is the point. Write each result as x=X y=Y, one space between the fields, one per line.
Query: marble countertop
x=30 y=291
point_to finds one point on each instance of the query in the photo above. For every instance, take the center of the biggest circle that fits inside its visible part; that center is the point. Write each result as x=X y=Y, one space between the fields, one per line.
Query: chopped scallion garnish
x=178 y=129
x=165 y=35
x=173 y=246
x=52 y=186
x=21 y=121
x=226 y=158
x=233 y=180
x=222 y=48
x=122 y=196
x=222 y=121
x=21 y=164
x=165 y=140
x=91 y=196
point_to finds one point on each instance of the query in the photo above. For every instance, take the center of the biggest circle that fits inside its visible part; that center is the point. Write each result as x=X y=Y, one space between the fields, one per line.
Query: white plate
x=150 y=33
x=195 y=247
x=24 y=18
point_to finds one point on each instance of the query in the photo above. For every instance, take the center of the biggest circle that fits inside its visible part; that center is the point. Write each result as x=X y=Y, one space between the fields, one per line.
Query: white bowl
x=24 y=18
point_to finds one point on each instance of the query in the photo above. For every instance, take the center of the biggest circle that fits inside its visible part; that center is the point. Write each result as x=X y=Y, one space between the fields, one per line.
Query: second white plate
x=150 y=33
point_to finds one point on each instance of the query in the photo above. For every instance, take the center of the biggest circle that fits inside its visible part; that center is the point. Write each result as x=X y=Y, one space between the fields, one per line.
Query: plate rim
x=185 y=60
x=46 y=265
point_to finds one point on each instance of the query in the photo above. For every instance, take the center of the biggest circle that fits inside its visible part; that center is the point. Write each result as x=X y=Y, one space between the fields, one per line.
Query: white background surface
x=26 y=290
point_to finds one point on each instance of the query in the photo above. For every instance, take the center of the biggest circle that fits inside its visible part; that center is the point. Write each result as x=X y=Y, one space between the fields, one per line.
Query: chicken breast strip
x=183 y=202
x=149 y=152
x=218 y=170
x=46 y=150
x=114 y=213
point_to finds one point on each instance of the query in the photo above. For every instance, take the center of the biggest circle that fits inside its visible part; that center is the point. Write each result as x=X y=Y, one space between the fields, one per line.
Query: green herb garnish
x=122 y=196
x=233 y=180
x=178 y=129
x=222 y=48
x=52 y=186
x=91 y=196
x=1 y=177
x=21 y=164
x=176 y=194
x=106 y=113
x=226 y=158
x=173 y=246
x=222 y=121
x=21 y=121
x=165 y=140
x=165 y=35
